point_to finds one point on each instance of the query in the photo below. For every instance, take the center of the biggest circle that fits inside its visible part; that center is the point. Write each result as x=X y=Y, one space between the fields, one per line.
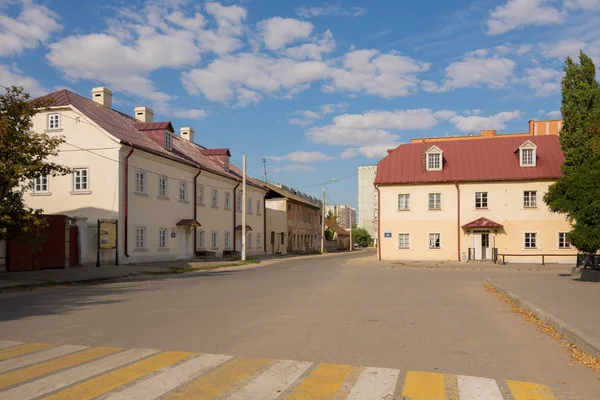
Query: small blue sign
x=387 y=234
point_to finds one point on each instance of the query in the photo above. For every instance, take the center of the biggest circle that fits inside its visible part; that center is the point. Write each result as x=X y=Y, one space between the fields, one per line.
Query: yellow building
x=472 y=199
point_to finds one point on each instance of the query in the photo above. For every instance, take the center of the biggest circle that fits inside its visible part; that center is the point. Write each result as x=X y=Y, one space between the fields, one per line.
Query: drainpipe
x=265 y=220
x=378 y=223
x=234 y=211
x=458 y=217
x=131 y=148
x=196 y=207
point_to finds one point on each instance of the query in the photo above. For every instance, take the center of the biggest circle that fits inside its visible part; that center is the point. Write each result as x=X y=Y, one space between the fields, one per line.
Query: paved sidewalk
x=570 y=306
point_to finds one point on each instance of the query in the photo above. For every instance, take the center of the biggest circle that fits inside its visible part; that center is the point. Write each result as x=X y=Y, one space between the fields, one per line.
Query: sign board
x=387 y=234
x=108 y=234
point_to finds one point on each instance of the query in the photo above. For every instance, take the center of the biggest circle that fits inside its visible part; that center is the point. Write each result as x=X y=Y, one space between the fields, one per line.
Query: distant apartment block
x=367 y=199
x=346 y=215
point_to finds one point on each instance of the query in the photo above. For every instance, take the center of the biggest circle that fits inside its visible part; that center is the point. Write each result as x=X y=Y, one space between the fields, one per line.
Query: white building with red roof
x=172 y=198
x=464 y=199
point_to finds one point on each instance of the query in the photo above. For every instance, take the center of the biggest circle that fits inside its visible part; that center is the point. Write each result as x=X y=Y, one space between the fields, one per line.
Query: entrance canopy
x=482 y=223
x=188 y=222
x=239 y=228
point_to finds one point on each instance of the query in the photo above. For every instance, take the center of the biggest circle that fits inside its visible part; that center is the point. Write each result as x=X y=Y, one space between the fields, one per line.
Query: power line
x=332 y=180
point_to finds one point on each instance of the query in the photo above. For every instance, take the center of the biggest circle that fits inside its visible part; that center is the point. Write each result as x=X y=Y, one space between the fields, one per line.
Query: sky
x=315 y=88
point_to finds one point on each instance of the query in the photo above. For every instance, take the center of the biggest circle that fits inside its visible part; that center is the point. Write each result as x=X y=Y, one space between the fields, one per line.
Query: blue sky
x=317 y=88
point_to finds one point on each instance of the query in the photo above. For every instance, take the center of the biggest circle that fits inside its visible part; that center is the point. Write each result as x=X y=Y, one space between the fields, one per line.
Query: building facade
x=472 y=200
x=346 y=215
x=367 y=199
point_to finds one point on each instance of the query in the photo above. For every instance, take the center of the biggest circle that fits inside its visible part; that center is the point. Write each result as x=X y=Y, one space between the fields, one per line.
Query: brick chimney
x=143 y=114
x=102 y=95
x=187 y=133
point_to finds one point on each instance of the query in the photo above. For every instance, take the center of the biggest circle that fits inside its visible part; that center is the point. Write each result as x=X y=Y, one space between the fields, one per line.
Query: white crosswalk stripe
x=40 y=356
x=375 y=383
x=7 y=343
x=473 y=388
x=168 y=379
x=54 y=382
x=271 y=383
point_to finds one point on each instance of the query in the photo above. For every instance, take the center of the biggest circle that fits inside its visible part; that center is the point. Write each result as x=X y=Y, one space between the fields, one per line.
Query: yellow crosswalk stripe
x=220 y=380
x=529 y=391
x=22 y=349
x=423 y=386
x=24 y=374
x=104 y=383
x=323 y=383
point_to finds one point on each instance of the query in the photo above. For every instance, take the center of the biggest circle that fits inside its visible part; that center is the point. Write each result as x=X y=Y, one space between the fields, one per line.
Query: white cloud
x=278 y=32
x=301 y=122
x=330 y=9
x=554 y=114
x=582 y=4
x=563 y=48
x=309 y=117
x=191 y=113
x=230 y=19
x=34 y=25
x=475 y=123
x=12 y=76
x=313 y=51
x=293 y=167
x=524 y=49
x=302 y=157
x=545 y=81
x=516 y=13
x=476 y=69
x=350 y=152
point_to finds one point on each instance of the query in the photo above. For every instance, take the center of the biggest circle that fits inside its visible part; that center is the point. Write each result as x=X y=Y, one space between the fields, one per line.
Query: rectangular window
x=227 y=241
x=249 y=209
x=530 y=199
x=258 y=241
x=41 y=184
x=215 y=198
x=434 y=161
x=200 y=191
x=238 y=202
x=404 y=202
x=257 y=207
x=282 y=238
x=435 y=240
x=140 y=181
x=481 y=200
x=526 y=156
x=163 y=239
x=531 y=240
x=563 y=242
x=435 y=201
x=200 y=239
x=249 y=240
x=140 y=237
x=227 y=200
x=163 y=186
x=168 y=140
x=53 y=121
x=80 y=179
x=215 y=240
x=404 y=240
x=182 y=190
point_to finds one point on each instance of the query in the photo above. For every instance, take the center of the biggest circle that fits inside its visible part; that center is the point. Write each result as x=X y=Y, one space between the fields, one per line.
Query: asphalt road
x=321 y=310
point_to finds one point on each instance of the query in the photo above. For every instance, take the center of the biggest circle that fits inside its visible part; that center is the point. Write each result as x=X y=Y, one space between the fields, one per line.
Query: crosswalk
x=44 y=371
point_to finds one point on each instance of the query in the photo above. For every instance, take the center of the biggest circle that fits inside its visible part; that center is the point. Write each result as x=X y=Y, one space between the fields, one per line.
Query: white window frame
x=437 y=201
x=227 y=240
x=523 y=150
x=200 y=239
x=257 y=207
x=407 y=246
x=258 y=240
x=163 y=186
x=54 y=121
x=140 y=181
x=163 y=238
x=566 y=244
x=249 y=206
x=406 y=202
x=249 y=240
x=481 y=196
x=429 y=237
x=41 y=184
x=215 y=198
x=168 y=140
x=530 y=199
x=141 y=238
x=238 y=204
x=536 y=239
x=200 y=194
x=227 y=200
x=434 y=153
x=214 y=240
x=77 y=171
x=183 y=192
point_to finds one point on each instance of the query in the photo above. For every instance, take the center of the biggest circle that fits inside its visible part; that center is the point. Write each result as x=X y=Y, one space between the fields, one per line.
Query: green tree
x=329 y=233
x=23 y=157
x=361 y=235
x=577 y=193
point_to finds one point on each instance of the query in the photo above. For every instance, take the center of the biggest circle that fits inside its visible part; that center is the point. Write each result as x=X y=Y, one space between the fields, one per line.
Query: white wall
x=254 y=220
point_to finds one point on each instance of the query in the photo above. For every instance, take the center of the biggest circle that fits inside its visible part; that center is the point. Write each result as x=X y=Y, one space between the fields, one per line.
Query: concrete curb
x=586 y=343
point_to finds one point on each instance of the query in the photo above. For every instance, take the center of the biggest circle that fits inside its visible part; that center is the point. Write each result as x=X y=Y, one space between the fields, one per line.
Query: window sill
x=227 y=208
x=530 y=208
x=184 y=201
x=481 y=209
x=435 y=209
x=163 y=249
x=214 y=248
x=35 y=194
x=163 y=198
x=141 y=194
x=201 y=204
x=404 y=210
x=565 y=248
x=404 y=248
x=214 y=206
x=435 y=248
x=80 y=192
x=140 y=250
x=53 y=130
x=530 y=248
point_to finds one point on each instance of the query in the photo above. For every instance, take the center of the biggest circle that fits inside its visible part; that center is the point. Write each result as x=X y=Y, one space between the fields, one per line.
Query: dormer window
x=168 y=140
x=434 y=159
x=226 y=163
x=527 y=154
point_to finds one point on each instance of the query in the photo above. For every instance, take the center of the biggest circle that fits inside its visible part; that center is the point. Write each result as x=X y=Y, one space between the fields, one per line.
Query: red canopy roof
x=482 y=223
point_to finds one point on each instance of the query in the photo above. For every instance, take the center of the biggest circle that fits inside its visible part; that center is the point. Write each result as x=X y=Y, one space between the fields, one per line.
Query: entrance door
x=486 y=251
x=183 y=243
x=477 y=239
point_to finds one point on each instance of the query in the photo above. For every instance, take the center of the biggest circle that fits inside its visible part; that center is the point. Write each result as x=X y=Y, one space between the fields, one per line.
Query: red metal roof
x=482 y=223
x=153 y=126
x=492 y=159
x=216 y=152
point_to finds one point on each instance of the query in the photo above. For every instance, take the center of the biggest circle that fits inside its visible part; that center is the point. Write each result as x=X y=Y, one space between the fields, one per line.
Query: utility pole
x=243 y=207
x=323 y=224
x=265 y=165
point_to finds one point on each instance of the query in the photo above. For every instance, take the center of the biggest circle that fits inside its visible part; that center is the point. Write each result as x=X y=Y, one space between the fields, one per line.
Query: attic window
x=527 y=154
x=434 y=159
x=226 y=163
x=168 y=140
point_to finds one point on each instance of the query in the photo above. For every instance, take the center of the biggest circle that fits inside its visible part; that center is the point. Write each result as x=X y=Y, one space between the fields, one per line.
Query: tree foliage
x=329 y=233
x=360 y=235
x=23 y=157
x=577 y=193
